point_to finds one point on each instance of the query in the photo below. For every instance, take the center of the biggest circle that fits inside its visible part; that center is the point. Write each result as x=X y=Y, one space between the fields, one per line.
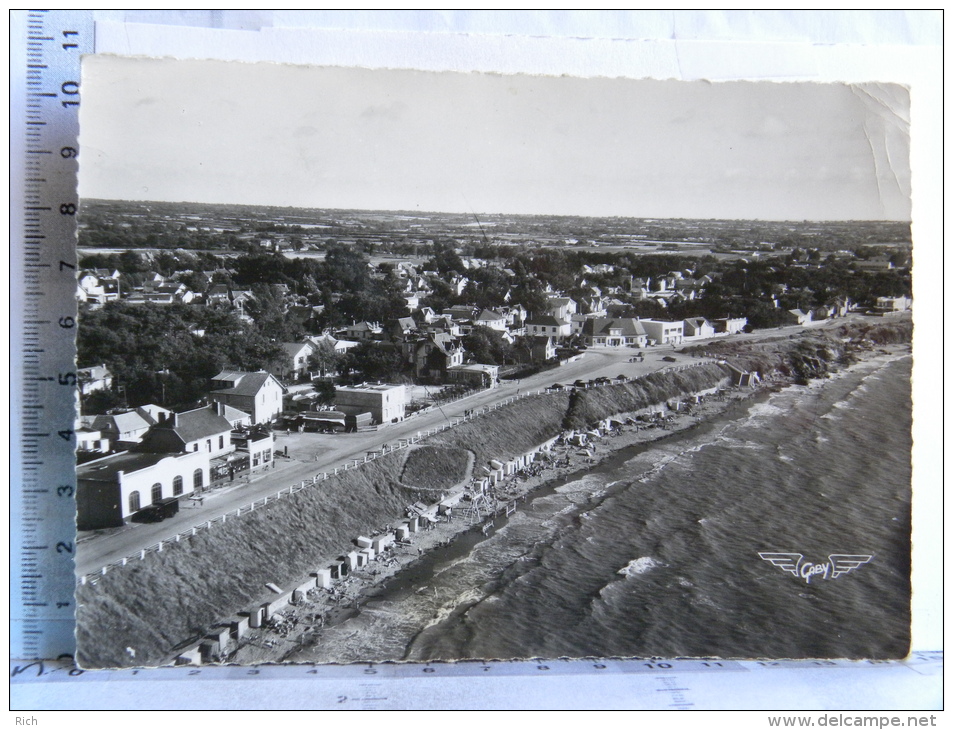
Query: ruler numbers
x=43 y=299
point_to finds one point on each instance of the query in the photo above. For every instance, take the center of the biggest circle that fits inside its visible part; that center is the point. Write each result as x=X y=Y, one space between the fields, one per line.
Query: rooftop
x=243 y=383
x=367 y=387
x=194 y=425
x=107 y=468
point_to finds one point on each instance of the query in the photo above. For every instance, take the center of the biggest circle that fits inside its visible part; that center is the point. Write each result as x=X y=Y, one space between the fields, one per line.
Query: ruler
x=45 y=91
x=655 y=684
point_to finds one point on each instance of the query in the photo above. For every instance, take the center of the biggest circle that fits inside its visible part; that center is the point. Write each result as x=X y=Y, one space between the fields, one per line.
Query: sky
x=271 y=134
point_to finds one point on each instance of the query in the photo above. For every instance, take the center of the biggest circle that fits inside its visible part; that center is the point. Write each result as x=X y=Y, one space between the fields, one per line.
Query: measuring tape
x=48 y=44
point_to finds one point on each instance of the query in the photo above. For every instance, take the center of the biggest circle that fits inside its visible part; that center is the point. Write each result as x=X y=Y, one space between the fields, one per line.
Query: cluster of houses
x=136 y=463
x=140 y=461
x=430 y=342
x=150 y=458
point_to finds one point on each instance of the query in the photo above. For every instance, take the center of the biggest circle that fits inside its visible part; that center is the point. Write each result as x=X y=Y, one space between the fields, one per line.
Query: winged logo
x=835 y=566
x=842 y=564
x=788 y=562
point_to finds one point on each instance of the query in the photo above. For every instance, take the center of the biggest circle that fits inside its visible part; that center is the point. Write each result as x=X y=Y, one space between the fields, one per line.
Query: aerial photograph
x=382 y=365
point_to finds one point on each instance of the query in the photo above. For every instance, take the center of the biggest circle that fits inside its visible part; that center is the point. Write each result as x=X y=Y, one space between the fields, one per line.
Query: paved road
x=309 y=454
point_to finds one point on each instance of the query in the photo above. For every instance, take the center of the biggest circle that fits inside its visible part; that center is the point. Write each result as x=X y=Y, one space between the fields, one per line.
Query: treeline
x=167 y=354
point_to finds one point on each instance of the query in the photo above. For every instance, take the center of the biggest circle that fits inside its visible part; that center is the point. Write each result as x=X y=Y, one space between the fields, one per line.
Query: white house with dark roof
x=258 y=394
x=202 y=429
x=492 y=319
x=547 y=326
x=604 y=332
x=297 y=356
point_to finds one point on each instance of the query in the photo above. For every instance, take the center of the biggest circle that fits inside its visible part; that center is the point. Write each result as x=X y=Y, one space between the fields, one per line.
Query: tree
x=324 y=358
x=324 y=388
x=374 y=361
x=446 y=260
x=487 y=346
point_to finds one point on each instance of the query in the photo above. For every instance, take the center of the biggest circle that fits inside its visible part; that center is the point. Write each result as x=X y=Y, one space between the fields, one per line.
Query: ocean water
x=655 y=552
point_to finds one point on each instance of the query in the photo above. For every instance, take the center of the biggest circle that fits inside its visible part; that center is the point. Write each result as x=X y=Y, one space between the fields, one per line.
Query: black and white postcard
x=383 y=365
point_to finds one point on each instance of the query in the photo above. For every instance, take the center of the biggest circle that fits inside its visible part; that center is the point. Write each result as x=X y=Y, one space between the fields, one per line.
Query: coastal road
x=311 y=453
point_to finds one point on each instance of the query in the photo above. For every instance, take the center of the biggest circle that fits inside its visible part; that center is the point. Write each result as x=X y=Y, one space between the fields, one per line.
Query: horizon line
x=499 y=213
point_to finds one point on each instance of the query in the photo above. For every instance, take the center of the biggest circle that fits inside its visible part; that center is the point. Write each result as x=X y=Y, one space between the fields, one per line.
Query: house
x=698 y=328
x=179 y=292
x=202 y=429
x=218 y=294
x=460 y=312
x=876 y=263
x=153 y=281
x=111 y=490
x=594 y=304
x=443 y=324
x=729 y=325
x=604 y=332
x=798 y=317
x=893 y=304
x=426 y=315
x=98 y=286
x=536 y=349
x=124 y=430
x=385 y=403
x=90 y=441
x=143 y=296
x=492 y=319
x=515 y=316
x=238 y=419
x=340 y=346
x=92 y=379
x=840 y=306
x=458 y=284
x=474 y=375
x=256 y=446
x=258 y=394
x=562 y=307
x=433 y=354
x=240 y=300
x=661 y=332
x=401 y=328
x=576 y=323
x=363 y=331
x=297 y=359
x=547 y=326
